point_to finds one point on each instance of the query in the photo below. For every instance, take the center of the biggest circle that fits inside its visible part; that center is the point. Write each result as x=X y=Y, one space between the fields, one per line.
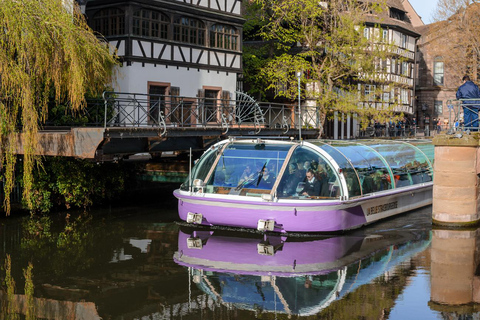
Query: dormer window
x=397 y=14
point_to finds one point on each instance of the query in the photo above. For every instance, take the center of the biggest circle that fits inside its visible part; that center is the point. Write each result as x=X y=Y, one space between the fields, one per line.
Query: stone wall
x=425 y=90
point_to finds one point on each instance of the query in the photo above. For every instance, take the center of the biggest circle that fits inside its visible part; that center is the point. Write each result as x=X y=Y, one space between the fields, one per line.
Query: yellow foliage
x=46 y=51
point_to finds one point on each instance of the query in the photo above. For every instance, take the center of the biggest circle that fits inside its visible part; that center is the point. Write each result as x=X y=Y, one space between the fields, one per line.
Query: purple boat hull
x=301 y=216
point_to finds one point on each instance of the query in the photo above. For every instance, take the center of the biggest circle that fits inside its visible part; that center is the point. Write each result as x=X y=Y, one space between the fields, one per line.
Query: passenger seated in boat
x=300 y=168
x=272 y=168
x=322 y=176
x=246 y=175
x=312 y=185
x=267 y=180
x=290 y=181
x=320 y=171
x=381 y=180
x=307 y=165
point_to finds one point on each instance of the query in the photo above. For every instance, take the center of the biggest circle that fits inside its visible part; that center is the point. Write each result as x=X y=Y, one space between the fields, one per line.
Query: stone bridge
x=125 y=124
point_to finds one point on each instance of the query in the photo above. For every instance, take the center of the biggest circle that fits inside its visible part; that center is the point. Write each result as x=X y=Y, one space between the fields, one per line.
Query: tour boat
x=306 y=186
x=297 y=276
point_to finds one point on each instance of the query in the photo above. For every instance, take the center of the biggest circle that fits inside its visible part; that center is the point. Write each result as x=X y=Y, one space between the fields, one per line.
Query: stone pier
x=456 y=199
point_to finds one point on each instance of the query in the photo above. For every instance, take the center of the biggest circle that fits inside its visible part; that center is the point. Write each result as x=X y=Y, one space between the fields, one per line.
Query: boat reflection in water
x=299 y=276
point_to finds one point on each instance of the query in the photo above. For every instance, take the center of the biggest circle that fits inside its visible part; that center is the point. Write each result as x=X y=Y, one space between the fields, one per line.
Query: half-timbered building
x=396 y=26
x=189 y=48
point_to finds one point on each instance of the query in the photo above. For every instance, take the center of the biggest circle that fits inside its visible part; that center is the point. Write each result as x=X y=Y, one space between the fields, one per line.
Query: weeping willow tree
x=47 y=52
x=330 y=45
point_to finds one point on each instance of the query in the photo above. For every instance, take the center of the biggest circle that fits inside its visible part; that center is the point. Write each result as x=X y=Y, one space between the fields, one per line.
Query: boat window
x=373 y=171
x=246 y=169
x=201 y=168
x=409 y=164
x=427 y=148
x=381 y=165
x=308 y=176
x=351 y=177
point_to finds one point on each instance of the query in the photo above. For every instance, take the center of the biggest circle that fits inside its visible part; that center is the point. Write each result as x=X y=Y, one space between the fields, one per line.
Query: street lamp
x=299 y=75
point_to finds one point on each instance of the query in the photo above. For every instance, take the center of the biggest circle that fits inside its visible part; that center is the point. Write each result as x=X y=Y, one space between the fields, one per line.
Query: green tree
x=46 y=51
x=256 y=51
x=56 y=187
x=324 y=40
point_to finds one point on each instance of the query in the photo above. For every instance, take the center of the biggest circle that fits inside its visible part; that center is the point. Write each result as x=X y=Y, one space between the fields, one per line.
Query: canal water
x=141 y=263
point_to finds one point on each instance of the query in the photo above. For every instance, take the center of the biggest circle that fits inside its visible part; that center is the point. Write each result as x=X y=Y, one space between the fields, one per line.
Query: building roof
x=397 y=4
x=412 y=19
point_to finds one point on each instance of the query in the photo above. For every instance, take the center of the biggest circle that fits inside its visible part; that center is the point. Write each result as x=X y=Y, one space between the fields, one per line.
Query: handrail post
x=299 y=75
x=105 y=114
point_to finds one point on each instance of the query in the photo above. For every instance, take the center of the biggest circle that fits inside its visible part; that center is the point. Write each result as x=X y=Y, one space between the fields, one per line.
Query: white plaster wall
x=134 y=79
x=121 y=48
x=225 y=5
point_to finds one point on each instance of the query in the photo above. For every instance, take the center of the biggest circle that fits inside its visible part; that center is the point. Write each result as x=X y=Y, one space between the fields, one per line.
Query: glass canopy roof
x=313 y=169
x=376 y=165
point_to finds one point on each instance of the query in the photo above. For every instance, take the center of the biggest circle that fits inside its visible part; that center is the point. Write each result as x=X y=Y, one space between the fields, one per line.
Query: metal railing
x=408 y=131
x=463 y=114
x=162 y=112
x=165 y=112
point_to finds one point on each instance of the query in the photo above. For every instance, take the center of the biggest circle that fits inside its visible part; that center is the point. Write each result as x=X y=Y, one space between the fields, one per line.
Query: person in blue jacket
x=469 y=90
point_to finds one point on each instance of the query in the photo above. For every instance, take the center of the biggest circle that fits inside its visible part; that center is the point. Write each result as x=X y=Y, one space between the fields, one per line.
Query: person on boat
x=272 y=168
x=307 y=165
x=267 y=180
x=247 y=174
x=290 y=181
x=322 y=176
x=300 y=168
x=469 y=90
x=312 y=185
